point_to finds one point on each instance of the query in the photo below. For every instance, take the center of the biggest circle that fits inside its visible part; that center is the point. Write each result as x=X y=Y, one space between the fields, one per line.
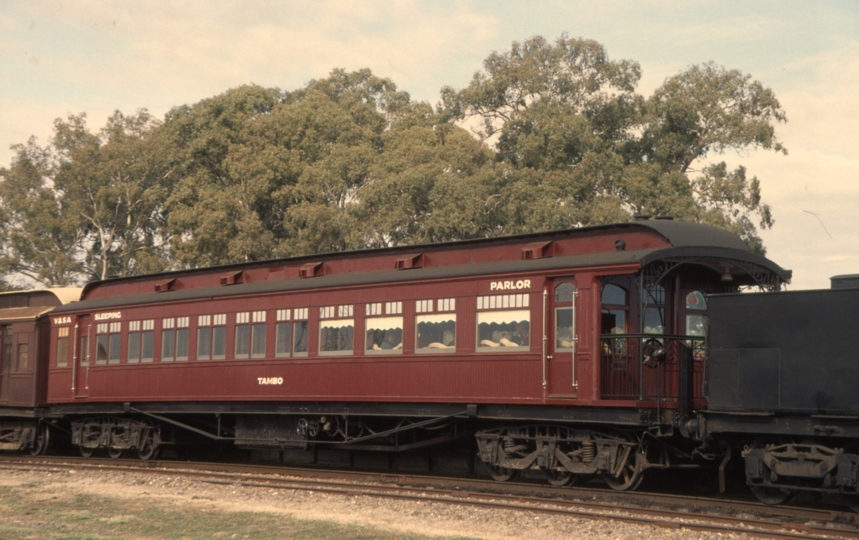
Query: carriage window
x=336 y=331
x=107 y=343
x=291 y=332
x=614 y=310
x=696 y=323
x=250 y=334
x=133 y=356
x=174 y=339
x=63 y=346
x=384 y=335
x=282 y=332
x=436 y=333
x=300 y=330
x=141 y=341
x=435 y=325
x=654 y=312
x=243 y=335
x=502 y=323
x=503 y=330
x=23 y=357
x=204 y=337
x=258 y=334
x=219 y=336
x=168 y=340
x=182 y=338
x=211 y=337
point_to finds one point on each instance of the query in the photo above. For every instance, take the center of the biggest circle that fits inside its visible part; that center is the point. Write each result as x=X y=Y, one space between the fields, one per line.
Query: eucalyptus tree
x=559 y=115
x=39 y=240
x=709 y=110
x=265 y=173
x=428 y=183
x=575 y=145
x=85 y=206
x=116 y=183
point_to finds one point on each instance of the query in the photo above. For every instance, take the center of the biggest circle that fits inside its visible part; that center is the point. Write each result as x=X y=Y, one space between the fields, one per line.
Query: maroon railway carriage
x=24 y=334
x=559 y=349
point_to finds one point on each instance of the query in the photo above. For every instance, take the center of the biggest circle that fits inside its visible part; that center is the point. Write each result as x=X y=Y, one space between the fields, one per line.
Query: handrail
x=545 y=338
x=630 y=371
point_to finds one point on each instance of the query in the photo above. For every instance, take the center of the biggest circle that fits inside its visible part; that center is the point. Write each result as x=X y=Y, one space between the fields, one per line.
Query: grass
x=85 y=517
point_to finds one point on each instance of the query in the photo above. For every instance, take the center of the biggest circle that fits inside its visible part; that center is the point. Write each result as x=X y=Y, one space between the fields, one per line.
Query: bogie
x=565 y=454
x=116 y=435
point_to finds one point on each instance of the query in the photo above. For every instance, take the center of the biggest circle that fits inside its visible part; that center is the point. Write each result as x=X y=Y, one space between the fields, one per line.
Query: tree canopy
x=548 y=135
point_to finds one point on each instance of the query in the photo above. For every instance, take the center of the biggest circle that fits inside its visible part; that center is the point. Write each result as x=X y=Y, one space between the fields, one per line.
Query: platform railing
x=647 y=367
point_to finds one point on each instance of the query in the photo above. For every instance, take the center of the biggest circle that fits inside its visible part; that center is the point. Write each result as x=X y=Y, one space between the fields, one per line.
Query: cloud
x=821 y=173
x=98 y=56
x=59 y=57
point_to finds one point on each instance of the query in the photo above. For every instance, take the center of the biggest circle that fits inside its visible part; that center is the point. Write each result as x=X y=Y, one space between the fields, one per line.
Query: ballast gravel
x=429 y=518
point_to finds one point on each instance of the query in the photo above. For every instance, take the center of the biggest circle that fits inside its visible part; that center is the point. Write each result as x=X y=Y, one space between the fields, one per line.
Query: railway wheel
x=114 y=453
x=631 y=472
x=40 y=441
x=500 y=474
x=771 y=495
x=851 y=501
x=86 y=452
x=148 y=449
x=559 y=477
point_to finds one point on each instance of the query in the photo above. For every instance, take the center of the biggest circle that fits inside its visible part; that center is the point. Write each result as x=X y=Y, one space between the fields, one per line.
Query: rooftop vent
x=166 y=285
x=415 y=260
x=537 y=250
x=311 y=270
x=233 y=278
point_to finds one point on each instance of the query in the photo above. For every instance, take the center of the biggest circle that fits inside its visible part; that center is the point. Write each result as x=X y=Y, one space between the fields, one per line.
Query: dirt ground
x=86 y=504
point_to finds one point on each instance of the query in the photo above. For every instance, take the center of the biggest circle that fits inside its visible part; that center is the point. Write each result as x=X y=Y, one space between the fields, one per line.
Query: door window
x=63 y=346
x=654 y=312
x=615 y=310
x=565 y=317
x=696 y=314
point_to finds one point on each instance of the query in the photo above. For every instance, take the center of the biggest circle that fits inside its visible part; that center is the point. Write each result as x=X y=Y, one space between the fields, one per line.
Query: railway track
x=669 y=511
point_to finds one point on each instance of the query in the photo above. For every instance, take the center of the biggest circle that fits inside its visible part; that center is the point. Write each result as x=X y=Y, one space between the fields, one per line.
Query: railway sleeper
x=777 y=471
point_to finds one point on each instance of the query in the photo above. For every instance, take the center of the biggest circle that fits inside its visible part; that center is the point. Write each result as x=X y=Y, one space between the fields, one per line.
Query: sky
x=61 y=57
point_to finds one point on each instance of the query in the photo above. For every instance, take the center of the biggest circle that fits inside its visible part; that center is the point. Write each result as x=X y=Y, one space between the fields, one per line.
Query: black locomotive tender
x=624 y=309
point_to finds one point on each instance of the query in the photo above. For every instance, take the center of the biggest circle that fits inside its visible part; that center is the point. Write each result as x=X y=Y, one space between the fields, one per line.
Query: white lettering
x=108 y=316
x=510 y=285
x=62 y=320
x=269 y=380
